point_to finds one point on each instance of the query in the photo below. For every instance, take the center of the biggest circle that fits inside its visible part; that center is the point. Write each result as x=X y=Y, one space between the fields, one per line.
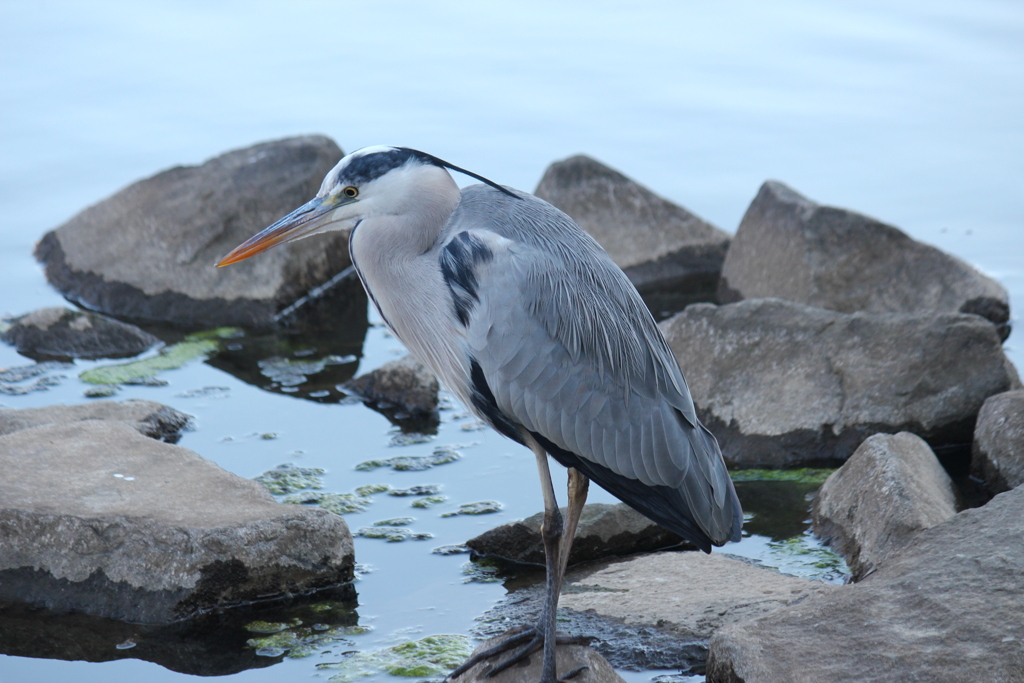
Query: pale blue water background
x=908 y=111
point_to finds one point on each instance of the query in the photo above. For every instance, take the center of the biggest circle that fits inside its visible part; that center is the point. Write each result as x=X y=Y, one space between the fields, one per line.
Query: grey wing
x=560 y=343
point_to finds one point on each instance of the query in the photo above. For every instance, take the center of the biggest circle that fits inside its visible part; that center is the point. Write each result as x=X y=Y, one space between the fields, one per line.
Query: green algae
x=338 y=503
x=429 y=501
x=442 y=455
x=428 y=657
x=396 y=521
x=481 y=571
x=170 y=358
x=371 y=489
x=797 y=476
x=806 y=557
x=484 y=507
x=288 y=478
x=271 y=626
x=300 y=641
x=102 y=391
x=422 y=490
x=393 y=534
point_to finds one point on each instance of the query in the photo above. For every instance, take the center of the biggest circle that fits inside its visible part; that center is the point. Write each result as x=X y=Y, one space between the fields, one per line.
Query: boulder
x=403 y=390
x=656 y=611
x=659 y=245
x=60 y=333
x=780 y=383
x=891 y=487
x=148 y=418
x=789 y=247
x=148 y=252
x=95 y=517
x=947 y=608
x=998 y=448
x=604 y=530
x=593 y=668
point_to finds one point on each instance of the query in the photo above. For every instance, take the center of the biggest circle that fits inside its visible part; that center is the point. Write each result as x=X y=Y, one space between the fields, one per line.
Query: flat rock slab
x=95 y=517
x=789 y=247
x=604 y=530
x=568 y=658
x=656 y=611
x=780 y=383
x=403 y=390
x=59 y=333
x=998 y=448
x=891 y=487
x=148 y=418
x=148 y=252
x=657 y=243
x=949 y=607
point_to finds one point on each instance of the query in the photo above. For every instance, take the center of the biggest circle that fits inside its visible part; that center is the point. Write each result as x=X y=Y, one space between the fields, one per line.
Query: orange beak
x=296 y=225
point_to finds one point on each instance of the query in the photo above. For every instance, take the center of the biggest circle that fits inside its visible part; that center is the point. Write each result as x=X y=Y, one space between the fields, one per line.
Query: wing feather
x=569 y=352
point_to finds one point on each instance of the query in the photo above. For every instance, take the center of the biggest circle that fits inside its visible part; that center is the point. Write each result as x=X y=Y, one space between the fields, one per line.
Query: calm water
x=909 y=112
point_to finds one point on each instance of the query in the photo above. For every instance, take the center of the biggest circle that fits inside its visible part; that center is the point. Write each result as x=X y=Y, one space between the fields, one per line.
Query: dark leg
x=557 y=534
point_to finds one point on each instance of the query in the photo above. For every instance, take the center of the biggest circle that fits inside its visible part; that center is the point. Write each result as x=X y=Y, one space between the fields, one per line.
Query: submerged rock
x=149 y=418
x=659 y=245
x=604 y=530
x=946 y=608
x=998 y=449
x=891 y=487
x=147 y=253
x=60 y=333
x=656 y=611
x=780 y=383
x=590 y=666
x=404 y=391
x=100 y=519
x=789 y=247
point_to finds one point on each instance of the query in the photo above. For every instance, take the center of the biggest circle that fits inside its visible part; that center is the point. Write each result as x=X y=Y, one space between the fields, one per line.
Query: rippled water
x=909 y=112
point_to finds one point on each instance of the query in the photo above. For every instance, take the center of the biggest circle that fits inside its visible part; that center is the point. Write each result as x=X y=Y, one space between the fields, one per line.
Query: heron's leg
x=556 y=535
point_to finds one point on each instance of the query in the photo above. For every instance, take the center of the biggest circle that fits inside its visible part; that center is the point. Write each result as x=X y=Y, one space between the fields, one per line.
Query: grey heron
x=529 y=323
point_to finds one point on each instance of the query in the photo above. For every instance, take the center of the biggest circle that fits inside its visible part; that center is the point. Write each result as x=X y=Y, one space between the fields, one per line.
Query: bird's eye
x=351 y=191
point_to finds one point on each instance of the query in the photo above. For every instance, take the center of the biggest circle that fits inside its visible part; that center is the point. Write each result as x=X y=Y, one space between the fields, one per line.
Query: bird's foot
x=524 y=643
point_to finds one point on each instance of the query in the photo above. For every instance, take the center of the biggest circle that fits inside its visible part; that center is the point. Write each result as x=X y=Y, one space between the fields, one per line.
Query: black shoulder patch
x=483 y=401
x=458 y=262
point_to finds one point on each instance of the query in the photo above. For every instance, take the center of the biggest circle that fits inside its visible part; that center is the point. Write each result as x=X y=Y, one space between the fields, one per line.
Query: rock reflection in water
x=210 y=645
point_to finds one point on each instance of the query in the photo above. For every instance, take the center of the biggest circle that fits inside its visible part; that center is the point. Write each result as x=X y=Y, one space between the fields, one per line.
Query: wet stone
x=101 y=519
x=60 y=333
x=145 y=252
x=12 y=379
x=149 y=418
x=591 y=667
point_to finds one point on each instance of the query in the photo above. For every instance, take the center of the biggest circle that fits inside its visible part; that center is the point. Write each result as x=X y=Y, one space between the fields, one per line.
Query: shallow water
x=906 y=111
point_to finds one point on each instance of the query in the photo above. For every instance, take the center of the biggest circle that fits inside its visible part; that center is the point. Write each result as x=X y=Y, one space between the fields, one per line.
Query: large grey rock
x=781 y=383
x=891 y=487
x=789 y=247
x=657 y=243
x=604 y=530
x=148 y=252
x=998 y=448
x=655 y=611
x=61 y=333
x=568 y=658
x=948 y=608
x=95 y=517
x=404 y=390
x=148 y=418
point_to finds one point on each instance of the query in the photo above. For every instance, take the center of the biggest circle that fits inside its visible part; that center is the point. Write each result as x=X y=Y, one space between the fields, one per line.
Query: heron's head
x=370 y=182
